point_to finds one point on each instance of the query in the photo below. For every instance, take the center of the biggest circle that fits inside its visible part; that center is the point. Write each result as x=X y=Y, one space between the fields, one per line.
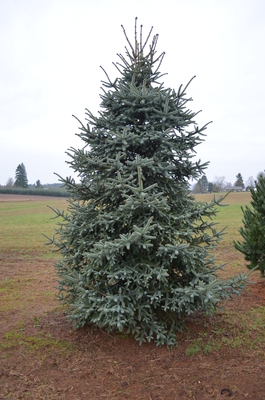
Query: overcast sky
x=50 y=57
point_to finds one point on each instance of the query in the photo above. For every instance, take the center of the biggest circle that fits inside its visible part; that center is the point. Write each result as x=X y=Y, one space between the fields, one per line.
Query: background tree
x=21 y=179
x=210 y=187
x=10 y=183
x=38 y=184
x=201 y=186
x=250 y=183
x=239 y=181
x=253 y=232
x=135 y=245
x=219 y=184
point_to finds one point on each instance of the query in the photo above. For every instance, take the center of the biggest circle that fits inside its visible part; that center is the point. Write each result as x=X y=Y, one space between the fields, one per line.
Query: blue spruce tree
x=135 y=245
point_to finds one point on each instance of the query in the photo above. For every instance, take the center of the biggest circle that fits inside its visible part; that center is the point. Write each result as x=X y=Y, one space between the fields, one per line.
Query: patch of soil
x=43 y=357
x=258 y=291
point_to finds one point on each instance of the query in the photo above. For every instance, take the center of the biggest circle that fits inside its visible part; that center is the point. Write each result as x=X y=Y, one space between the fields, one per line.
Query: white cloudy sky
x=51 y=50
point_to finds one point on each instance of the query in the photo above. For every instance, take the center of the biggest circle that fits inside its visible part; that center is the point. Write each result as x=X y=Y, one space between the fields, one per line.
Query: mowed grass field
x=229 y=214
x=229 y=217
x=23 y=224
x=43 y=357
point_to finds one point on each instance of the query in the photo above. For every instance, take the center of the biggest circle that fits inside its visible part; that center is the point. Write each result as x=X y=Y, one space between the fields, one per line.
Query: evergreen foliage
x=202 y=185
x=38 y=184
x=239 y=180
x=210 y=187
x=21 y=179
x=253 y=232
x=135 y=246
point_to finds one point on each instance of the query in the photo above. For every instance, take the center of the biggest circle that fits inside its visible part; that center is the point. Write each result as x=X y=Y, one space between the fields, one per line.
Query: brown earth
x=43 y=357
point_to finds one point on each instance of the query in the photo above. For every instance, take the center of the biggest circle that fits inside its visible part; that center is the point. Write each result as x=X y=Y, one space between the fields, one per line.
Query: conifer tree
x=38 y=184
x=135 y=245
x=202 y=185
x=21 y=179
x=253 y=232
x=239 y=180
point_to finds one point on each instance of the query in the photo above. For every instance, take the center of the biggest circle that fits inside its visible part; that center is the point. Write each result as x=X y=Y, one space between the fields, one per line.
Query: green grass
x=24 y=223
x=239 y=331
x=19 y=294
x=29 y=343
x=229 y=216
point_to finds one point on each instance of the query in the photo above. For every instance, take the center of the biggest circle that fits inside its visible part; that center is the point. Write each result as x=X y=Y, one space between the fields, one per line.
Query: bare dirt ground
x=43 y=357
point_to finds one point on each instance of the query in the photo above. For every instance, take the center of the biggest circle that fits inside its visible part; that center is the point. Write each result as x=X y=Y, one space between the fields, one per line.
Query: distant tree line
x=219 y=184
x=21 y=186
x=34 y=192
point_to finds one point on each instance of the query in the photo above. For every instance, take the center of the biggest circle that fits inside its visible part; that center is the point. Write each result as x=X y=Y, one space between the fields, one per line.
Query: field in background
x=43 y=357
x=229 y=216
x=24 y=220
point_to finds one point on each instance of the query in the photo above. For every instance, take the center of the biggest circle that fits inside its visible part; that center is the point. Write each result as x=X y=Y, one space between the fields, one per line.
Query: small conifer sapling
x=253 y=232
